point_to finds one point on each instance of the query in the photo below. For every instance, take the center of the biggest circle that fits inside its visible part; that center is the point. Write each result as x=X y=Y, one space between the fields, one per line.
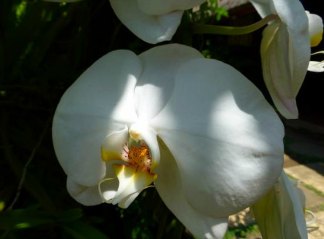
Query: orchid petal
x=150 y=28
x=316 y=66
x=315 y=28
x=292 y=13
x=285 y=52
x=276 y=69
x=285 y=57
x=170 y=189
x=157 y=80
x=97 y=104
x=279 y=213
x=131 y=182
x=158 y=7
x=263 y=7
x=108 y=188
x=285 y=9
x=88 y=196
x=225 y=130
x=124 y=188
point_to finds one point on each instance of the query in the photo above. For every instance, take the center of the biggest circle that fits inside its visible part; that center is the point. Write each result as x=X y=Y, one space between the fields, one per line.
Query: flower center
x=131 y=162
x=138 y=156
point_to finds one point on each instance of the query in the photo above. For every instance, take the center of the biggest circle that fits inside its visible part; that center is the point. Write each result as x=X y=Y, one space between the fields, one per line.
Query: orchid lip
x=131 y=160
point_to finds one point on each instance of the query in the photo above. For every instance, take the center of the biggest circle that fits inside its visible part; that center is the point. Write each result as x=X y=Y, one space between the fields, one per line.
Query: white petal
x=285 y=58
x=159 y=7
x=279 y=213
x=97 y=104
x=170 y=188
x=130 y=184
x=291 y=12
x=293 y=15
x=263 y=7
x=157 y=80
x=150 y=28
x=223 y=130
x=285 y=52
x=88 y=196
x=316 y=66
x=123 y=184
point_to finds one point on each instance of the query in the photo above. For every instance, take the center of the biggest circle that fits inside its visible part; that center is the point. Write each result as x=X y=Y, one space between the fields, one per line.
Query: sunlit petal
x=156 y=84
x=96 y=105
x=219 y=142
x=131 y=182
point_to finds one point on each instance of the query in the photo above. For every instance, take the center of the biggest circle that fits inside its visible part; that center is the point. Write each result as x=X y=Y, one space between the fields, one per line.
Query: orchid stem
x=230 y=30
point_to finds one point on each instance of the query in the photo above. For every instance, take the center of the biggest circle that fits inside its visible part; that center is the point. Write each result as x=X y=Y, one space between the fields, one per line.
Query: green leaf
x=81 y=230
x=33 y=217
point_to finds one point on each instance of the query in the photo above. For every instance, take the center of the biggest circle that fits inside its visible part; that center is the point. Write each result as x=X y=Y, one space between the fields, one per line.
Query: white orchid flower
x=285 y=52
x=196 y=128
x=152 y=21
x=280 y=213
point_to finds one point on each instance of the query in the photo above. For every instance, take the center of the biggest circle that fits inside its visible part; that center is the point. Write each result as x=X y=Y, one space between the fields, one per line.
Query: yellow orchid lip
x=132 y=168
